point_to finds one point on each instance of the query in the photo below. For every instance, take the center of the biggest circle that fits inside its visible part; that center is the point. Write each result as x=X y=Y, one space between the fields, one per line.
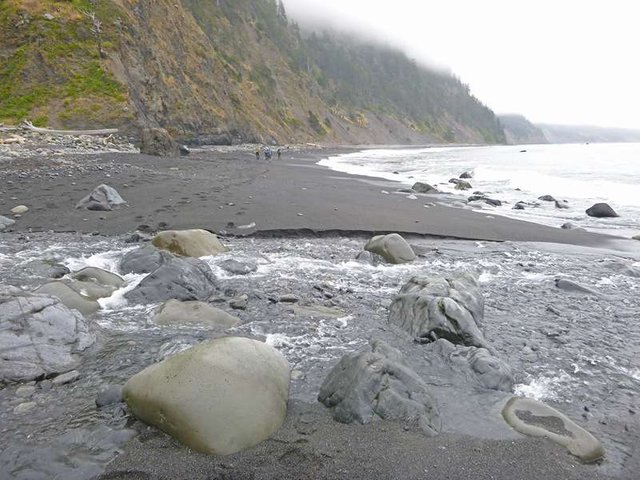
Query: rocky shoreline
x=407 y=396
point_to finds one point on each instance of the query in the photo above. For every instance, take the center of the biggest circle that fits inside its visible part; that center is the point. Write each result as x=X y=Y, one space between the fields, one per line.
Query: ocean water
x=582 y=174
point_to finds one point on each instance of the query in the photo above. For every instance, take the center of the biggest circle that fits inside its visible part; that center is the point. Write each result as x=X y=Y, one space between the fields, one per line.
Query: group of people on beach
x=268 y=153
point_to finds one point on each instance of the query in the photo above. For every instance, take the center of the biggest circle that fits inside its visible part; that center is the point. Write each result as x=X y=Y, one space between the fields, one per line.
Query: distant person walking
x=258 y=154
x=279 y=153
x=267 y=153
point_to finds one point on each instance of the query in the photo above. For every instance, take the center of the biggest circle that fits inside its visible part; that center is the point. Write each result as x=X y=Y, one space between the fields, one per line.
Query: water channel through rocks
x=310 y=298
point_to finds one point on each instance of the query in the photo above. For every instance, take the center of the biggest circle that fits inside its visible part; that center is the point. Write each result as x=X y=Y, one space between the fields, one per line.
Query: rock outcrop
x=534 y=418
x=177 y=313
x=102 y=198
x=189 y=243
x=376 y=381
x=393 y=248
x=179 y=278
x=158 y=142
x=601 y=210
x=39 y=336
x=219 y=397
x=430 y=308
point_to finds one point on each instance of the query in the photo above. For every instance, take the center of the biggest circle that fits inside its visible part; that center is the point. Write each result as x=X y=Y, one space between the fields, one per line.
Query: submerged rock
x=393 y=248
x=369 y=258
x=478 y=364
x=179 y=278
x=102 y=198
x=601 y=210
x=219 y=397
x=562 y=204
x=237 y=267
x=430 y=308
x=175 y=312
x=69 y=297
x=189 y=243
x=536 y=419
x=421 y=187
x=39 y=336
x=144 y=260
x=376 y=381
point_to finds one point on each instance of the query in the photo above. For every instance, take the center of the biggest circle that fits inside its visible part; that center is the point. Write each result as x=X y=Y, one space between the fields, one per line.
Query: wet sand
x=225 y=192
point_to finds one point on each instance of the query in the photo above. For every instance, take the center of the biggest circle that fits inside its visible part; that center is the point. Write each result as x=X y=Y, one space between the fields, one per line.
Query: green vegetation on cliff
x=221 y=70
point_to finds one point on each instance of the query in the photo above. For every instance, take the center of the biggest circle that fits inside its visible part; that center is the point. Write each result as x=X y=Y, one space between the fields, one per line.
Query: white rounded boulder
x=219 y=397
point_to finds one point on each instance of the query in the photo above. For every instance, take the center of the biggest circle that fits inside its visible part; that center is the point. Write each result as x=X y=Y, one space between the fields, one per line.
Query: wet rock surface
x=551 y=339
x=392 y=247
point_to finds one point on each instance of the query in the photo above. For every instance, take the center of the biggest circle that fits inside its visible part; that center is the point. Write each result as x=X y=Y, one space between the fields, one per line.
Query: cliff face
x=519 y=130
x=220 y=70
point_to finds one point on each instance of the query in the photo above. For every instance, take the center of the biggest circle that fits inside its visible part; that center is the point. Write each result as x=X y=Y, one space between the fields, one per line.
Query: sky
x=561 y=61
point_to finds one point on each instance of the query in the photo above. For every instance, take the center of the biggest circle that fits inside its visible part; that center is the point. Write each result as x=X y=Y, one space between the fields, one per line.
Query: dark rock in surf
x=466 y=175
x=601 y=210
x=493 y=202
x=570 y=226
x=460 y=184
x=377 y=382
x=547 y=198
x=562 y=204
x=421 y=187
x=430 y=308
x=519 y=206
x=39 y=336
x=179 y=278
x=144 y=260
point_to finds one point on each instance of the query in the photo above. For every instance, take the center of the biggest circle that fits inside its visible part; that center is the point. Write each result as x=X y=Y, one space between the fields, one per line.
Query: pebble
x=25 y=391
x=288 y=298
x=65 y=378
x=24 y=407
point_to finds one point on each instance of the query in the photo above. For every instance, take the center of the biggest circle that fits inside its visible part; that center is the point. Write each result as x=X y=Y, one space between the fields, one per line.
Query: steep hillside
x=220 y=71
x=519 y=130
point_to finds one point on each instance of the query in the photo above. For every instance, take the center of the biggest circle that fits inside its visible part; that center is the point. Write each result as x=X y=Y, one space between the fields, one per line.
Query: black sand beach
x=232 y=193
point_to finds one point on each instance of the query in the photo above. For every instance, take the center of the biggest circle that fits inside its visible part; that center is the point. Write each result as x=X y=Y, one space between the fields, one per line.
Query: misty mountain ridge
x=220 y=72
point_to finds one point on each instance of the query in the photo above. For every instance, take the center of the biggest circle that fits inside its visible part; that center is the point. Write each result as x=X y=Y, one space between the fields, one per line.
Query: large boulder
x=158 y=142
x=478 y=365
x=393 y=248
x=177 y=313
x=219 y=397
x=601 y=210
x=430 y=308
x=534 y=418
x=39 y=336
x=376 y=381
x=144 y=260
x=179 y=278
x=69 y=297
x=102 y=198
x=421 y=187
x=189 y=243
x=5 y=222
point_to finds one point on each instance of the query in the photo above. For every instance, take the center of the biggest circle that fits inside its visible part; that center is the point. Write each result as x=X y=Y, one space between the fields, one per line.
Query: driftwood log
x=26 y=125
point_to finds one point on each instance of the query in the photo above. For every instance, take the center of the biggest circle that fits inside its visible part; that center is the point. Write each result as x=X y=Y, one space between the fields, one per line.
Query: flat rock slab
x=177 y=313
x=534 y=418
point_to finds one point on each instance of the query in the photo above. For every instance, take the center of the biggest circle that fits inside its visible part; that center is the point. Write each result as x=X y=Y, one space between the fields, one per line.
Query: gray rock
x=65 y=378
x=25 y=391
x=102 y=198
x=110 y=395
x=24 y=408
x=547 y=198
x=70 y=297
x=158 y=142
x=99 y=277
x=288 y=298
x=466 y=175
x=179 y=278
x=461 y=184
x=144 y=260
x=175 y=312
x=430 y=308
x=237 y=267
x=370 y=258
x=568 y=226
x=421 y=187
x=189 y=243
x=239 y=303
x=601 y=210
x=39 y=336
x=537 y=419
x=479 y=365
x=562 y=204
x=569 y=286
x=219 y=397
x=493 y=202
x=5 y=222
x=393 y=248
x=519 y=206
x=636 y=237
x=376 y=381
x=20 y=209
